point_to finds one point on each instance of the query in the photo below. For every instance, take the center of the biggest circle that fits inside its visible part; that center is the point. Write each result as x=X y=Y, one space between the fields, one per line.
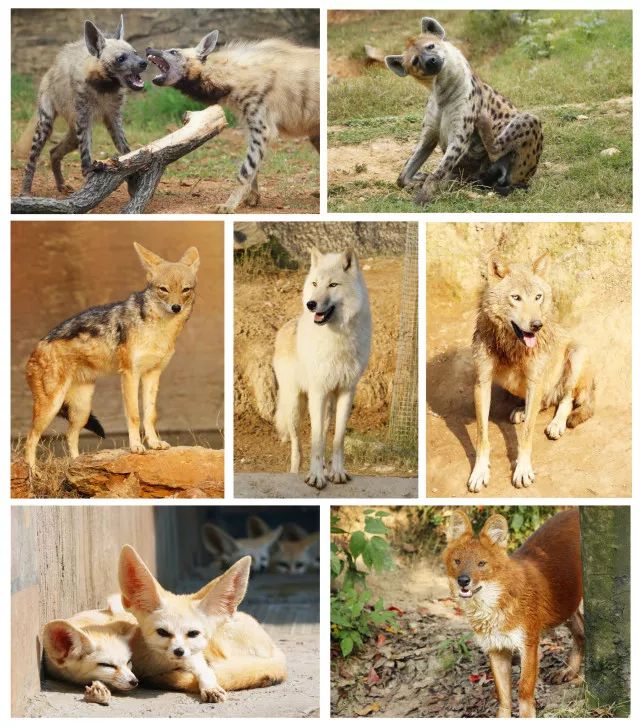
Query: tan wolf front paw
x=137 y=448
x=479 y=477
x=97 y=692
x=523 y=475
x=555 y=429
x=213 y=694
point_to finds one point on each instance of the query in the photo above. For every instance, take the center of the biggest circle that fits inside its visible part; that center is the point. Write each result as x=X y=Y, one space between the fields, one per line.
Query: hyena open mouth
x=156 y=58
x=134 y=81
x=322 y=317
x=527 y=337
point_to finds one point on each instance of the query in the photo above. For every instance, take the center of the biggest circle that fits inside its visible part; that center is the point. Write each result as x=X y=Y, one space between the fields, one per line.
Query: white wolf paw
x=555 y=429
x=523 y=475
x=213 y=694
x=97 y=692
x=339 y=476
x=158 y=444
x=517 y=415
x=137 y=448
x=479 y=477
x=317 y=480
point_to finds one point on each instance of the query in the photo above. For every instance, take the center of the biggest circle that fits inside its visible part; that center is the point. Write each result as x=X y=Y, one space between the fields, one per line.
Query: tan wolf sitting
x=518 y=344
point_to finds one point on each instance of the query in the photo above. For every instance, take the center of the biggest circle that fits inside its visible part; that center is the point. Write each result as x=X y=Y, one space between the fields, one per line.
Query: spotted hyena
x=484 y=138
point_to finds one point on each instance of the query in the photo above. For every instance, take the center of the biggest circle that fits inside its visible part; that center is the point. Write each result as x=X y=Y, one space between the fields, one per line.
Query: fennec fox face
x=329 y=288
x=227 y=550
x=118 y=59
x=296 y=556
x=173 y=285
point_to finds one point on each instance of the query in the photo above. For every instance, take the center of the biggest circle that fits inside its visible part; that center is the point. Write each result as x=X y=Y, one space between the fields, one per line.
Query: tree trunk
x=605 y=537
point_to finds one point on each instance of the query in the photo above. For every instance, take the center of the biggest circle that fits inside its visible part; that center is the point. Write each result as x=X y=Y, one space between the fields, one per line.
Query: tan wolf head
x=227 y=549
x=518 y=299
x=178 y=626
x=96 y=652
x=173 y=285
x=424 y=56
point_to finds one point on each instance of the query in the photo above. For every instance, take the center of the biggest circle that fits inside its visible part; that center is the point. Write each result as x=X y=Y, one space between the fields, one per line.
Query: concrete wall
x=61 y=268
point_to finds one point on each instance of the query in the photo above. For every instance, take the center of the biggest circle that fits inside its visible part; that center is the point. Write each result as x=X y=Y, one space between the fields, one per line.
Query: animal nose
x=463 y=581
x=133 y=682
x=143 y=65
x=536 y=325
x=312 y=304
x=179 y=651
x=176 y=308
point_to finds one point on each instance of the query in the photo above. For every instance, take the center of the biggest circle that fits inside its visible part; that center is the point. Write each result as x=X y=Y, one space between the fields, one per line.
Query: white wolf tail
x=287 y=414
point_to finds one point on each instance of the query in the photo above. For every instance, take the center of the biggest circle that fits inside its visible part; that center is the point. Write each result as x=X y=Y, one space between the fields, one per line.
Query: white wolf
x=323 y=354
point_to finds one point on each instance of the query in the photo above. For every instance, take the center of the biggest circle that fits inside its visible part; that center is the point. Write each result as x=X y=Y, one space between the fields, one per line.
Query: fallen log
x=141 y=168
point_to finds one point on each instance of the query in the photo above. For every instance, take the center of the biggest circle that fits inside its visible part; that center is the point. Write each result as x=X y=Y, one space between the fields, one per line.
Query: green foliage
x=353 y=616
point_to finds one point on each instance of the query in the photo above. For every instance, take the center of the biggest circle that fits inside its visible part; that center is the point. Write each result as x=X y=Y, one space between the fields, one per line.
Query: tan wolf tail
x=584 y=405
x=22 y=147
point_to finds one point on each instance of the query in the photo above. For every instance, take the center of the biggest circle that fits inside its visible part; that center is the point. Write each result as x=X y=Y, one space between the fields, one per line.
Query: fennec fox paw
x=316 y=480
x=517 y=415
x=523 y=475
x=213 y=694
x=137 y=448
x=479 y=478
x=555 y=429
x=97 y=692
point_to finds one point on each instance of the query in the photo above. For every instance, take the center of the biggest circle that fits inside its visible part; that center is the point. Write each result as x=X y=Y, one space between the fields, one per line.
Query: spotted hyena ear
x=496 y=531
x=431 y=25
x=394 y=63
x=120 y=29
x=459 y=525
x=540 y=264
x=94 y=39
x=207 y=45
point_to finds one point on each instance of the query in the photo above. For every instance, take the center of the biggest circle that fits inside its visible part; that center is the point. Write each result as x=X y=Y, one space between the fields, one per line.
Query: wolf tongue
x=529 y=339
x=318 y=317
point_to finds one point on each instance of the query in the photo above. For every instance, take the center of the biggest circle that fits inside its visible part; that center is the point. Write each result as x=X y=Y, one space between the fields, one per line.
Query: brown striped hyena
x=484 y=138
x=87 y=81
x=273 y=85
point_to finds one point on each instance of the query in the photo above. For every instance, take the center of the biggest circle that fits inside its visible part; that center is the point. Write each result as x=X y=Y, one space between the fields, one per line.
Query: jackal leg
x=482 y=397
x=78 y=400
x=317 y=408
x=501 y=669
x=45 y=409
x=572 y=670
x=68 y=144
x=150 y=383
x=83 y=133
x=130 y=382
x=523 y=474
x=45 y=116
x=343 y=411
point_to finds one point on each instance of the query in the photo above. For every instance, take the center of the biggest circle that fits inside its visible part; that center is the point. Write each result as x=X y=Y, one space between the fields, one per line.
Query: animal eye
x=333 y=285
x=516 y=297
x=457 y=561
x=186 y=290
x=431 y=46
x=193 y=634
x=315 y=285
x=173 y=52
x=106 y=666
x=163 y=288
x=164 y=633
x=539 y=296
x=122 y=58
x=482 y=563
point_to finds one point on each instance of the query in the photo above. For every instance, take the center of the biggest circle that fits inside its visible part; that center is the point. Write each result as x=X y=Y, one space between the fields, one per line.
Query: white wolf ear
x=394 y=63
x=316 y=256
x=120 y=29
x=496 y=530
x=349 y=260
x=459 y=525
x=94 y=39
x=217 y=542
x=540 y=264
x=62 y=641
x=148 y=259
x=431 y=25
x=191 y=258
x=497 y=269
x=226 y=592
x=206 y=45
x=140 y=590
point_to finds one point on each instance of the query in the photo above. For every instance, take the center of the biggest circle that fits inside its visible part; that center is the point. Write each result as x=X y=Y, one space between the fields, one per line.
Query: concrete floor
x=269 y=484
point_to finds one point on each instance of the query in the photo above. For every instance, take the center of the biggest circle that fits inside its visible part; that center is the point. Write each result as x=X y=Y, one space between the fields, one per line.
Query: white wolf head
x=334 y=291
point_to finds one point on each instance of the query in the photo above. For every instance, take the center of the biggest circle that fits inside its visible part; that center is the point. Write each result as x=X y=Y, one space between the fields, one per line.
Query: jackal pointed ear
x=459 y=525
x=217 y=542
x=497 y=269
x=93 y=38
x=394 y=63
x=316 y=256
x=227 y=591
x=206 y=45
x=191 y=258
x=140 y=590
x=540 y=264
x=120 y=29
x=349 y=260
x=431 y=25
x=496 y=531
x=148 y=259
x=62 y=640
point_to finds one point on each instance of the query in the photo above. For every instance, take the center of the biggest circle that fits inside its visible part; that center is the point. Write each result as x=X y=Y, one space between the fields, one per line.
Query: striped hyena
x=87 y=81
x=272 y=84
x=484 y=138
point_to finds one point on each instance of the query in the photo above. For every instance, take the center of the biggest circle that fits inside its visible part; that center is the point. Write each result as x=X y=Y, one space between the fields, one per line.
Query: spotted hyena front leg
x=45 y=117
x=409 y=176
x=457 y=148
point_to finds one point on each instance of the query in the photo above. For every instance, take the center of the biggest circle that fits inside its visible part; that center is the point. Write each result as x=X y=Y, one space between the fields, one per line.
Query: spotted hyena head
x=424 y=56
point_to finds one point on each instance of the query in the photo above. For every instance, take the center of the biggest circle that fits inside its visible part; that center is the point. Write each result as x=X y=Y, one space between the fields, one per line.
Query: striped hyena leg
x=68 y=144
x=45 y=116
x=459 y=143
x=115 y=127
x=83 y=133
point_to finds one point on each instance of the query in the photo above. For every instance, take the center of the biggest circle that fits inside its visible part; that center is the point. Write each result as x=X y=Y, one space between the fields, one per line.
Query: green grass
x=562 y=65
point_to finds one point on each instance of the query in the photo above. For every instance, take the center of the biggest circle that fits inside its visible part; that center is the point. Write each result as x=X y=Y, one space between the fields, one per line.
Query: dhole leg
x=317 y=404
x=130 y=383
x=44 y=410
x=482 y=396
x=501 y=669
x=150 y=383
x=523 y=474
x=78 y=400
x=574 y=662
x=343 y=410
x=528 y=679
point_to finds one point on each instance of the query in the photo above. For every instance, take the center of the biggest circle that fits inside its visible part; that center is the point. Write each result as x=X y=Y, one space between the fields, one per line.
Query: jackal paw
x=97 y=692
x=517 y=415
x=316 y=479
x=479 y=477
x=213 y=694
x=137 y=448
x=158 y=444
x=568 y=674
x=338 y=476
x=523 y=475
x=555 y=429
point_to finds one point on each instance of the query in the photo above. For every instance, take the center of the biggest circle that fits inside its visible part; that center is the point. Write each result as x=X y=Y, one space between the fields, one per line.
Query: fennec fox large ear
x=94 y=39
x=140 y=590
x=227 y=591
x=62 y=641
x=217 y=541
x=206 y=45
x=120 y=29
x=191 y=258
x=256 y=526
x=431 y=25
x=316 y=256
x=459 y=525
x=496 y=531
x=349 y=260
x=394 y=63
x=540 y=264
x=148 y=259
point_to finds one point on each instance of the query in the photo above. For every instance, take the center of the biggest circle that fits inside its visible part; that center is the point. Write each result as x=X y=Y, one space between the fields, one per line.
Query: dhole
x=511 y=599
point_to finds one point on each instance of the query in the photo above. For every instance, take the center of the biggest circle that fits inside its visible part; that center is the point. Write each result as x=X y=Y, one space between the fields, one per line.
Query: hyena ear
x=497 y=269
x=496 y=531
x=206 y=45
x=217 y=542
x=191 y=258
x=148 y=259
x=93 y=38
x=431 y=25
x=140 y=590
x=540 y=264
x=226 y=592
x=459 y=525
x=62 y=641
x=316 y=256
x=394 y=63
x=349 y=260
x=120 y=29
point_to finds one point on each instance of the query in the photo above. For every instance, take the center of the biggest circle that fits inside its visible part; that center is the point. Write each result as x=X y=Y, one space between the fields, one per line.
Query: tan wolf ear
x=148 y=259
x=191 y=258
x=227 y=591
x=497 y=269
x=62 y=641
x=540 y=264
x=140 y=590
x=496 y=531
x=349 y=260
x=316 y=256
x=206 y=45
x=217 y=541
x=459 y=525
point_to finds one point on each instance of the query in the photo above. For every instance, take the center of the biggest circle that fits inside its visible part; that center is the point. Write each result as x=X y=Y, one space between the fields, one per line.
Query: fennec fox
x=199 y=642
x=273 y=85
x=87 y=82
x=227 y=550
x=135 y=338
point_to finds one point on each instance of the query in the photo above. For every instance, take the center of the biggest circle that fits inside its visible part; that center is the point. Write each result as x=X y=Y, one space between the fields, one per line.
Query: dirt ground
x=295 y=192
x=430 y=666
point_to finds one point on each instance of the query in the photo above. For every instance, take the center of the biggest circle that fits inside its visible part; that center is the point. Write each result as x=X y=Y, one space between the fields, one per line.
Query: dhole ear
x=93 y=38
x=349 y=260
x=120 y=29
x=148 y=259
x=539 y=265
x=140 y=590
x=497 y=269
x=206 y=45
x=316 y=256
x=256 y=527
x=431 y=25
x=62 y=640
x=227 y=591
x=192 y=259
x=216 y=541
x=394 y=63
x=459 y=525
x=496 y=530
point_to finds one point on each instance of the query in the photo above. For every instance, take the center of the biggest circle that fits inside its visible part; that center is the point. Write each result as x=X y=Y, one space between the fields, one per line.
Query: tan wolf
x=200 y=642
x=518 y=344
x=135 y=338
